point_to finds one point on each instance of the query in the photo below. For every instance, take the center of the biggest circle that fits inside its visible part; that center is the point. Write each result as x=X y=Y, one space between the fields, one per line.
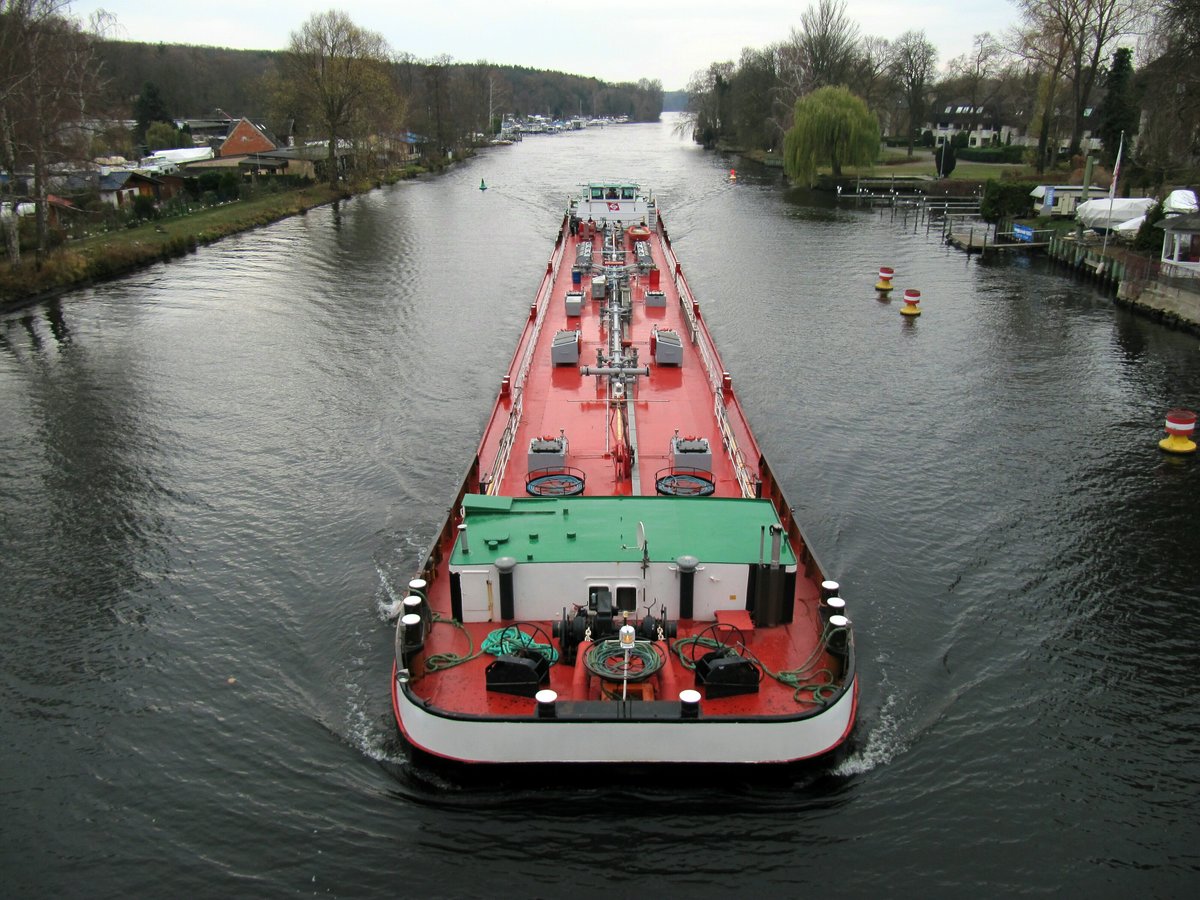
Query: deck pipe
x=687 y=585
x=768 y=602
x=505 y=565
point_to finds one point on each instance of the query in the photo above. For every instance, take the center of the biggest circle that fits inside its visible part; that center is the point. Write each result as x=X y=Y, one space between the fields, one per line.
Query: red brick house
x=245 y=138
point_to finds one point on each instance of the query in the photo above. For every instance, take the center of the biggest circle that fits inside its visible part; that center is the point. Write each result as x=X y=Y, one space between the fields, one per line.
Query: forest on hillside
x=444 y=99
x=69 y=96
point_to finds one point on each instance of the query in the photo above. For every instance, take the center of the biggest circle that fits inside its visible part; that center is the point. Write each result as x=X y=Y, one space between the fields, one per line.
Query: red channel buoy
x=911 y=298
x=1181 y=425
x=884 y=284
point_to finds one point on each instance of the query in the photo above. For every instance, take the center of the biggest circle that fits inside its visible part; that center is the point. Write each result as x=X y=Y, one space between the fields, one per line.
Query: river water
x=214 y=472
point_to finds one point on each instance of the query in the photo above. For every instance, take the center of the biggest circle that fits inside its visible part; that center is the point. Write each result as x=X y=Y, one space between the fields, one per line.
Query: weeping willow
x=832 y=126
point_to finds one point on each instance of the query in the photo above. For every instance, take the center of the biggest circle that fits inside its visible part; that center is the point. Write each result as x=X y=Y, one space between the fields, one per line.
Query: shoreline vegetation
x=109 y=255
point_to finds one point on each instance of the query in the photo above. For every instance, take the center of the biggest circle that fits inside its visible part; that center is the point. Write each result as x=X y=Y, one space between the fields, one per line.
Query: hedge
x=1006 y=198
x=1010 y=155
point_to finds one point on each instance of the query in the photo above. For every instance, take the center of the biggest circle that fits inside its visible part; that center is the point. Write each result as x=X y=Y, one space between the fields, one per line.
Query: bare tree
x=49 y=76
x=708 y=113
x=1168 y=148
x=820 y=53
x=913 y=61
x=1044 y=51
x=870 y=77
x=333 y=70
x=1085 y=32
x=976 y=73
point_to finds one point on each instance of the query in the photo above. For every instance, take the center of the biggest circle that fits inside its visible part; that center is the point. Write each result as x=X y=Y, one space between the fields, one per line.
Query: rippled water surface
x=213 y=472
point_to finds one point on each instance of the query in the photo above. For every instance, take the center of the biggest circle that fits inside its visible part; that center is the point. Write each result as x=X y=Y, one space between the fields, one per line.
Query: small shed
x=1060 y=200
x=118 y=189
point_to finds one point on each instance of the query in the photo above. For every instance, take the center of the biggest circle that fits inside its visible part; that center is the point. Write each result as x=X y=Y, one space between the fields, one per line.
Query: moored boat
x=621 y=579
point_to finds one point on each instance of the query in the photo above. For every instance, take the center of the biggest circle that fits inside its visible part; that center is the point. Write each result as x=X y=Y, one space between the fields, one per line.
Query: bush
x=231 y=184
x=1009 y=155
x=144 y=207
x=1007 y=199
x=209 y=182
x=1149 y=237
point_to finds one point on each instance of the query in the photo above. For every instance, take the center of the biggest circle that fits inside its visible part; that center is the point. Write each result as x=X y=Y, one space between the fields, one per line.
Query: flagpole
x=1112 y=193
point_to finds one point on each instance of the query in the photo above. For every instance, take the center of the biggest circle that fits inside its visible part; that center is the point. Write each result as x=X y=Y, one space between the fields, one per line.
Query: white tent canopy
x=1107 y=213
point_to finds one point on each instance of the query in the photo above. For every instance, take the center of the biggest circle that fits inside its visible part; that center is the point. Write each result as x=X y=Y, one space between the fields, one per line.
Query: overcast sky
x=614 y=40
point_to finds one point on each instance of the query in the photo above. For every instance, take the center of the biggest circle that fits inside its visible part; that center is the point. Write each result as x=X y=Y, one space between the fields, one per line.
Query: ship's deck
x=673 y=398
x=694 y=398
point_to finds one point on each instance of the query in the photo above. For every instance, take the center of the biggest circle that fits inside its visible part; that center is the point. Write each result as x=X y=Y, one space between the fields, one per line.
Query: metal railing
x=714 y=371
x=541 y=304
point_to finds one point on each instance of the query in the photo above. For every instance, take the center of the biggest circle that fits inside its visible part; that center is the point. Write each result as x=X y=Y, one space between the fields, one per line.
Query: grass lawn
x=896 y=161
x=113 y=253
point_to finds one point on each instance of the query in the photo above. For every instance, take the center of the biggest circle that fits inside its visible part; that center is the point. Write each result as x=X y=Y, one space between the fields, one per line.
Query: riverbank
x=112 y=254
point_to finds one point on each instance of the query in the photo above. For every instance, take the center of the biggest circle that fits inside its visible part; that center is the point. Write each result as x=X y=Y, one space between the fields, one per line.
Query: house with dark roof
x=119 y=188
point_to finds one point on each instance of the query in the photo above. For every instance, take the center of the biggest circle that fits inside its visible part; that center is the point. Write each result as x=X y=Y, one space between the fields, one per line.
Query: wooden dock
x=978 y=237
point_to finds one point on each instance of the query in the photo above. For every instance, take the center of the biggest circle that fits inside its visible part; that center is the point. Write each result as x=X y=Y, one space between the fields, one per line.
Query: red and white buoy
x=884 y=284
x=1181 y=425
x=911 y=298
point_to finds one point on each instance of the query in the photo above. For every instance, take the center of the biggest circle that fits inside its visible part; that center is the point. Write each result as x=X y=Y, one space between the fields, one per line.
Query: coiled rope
x=509 y=640
x=819 y=684
x=502 y=641
x=607 y=659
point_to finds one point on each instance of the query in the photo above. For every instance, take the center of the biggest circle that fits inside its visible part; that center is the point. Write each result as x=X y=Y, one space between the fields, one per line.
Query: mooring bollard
x=884 y=284
x=911 y=298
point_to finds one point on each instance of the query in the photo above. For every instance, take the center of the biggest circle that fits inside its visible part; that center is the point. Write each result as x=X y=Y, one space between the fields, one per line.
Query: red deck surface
x=673 y=398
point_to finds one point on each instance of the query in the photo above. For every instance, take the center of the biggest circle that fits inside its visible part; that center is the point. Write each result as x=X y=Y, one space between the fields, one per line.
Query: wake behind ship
x=620 y=579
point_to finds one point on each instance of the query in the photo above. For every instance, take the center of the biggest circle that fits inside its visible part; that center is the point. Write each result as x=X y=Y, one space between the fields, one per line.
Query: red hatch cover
x=738 y=618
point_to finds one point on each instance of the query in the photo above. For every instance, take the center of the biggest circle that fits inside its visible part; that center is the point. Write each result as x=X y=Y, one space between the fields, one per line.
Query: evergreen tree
x=148 y=108
x=946 y=159
x=1119 y=110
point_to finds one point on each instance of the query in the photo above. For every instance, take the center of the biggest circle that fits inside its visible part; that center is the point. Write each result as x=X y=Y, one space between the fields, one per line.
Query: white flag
x=1112 y=188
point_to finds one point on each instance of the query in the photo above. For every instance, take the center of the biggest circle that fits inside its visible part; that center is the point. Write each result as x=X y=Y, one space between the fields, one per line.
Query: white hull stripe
x=675 y=741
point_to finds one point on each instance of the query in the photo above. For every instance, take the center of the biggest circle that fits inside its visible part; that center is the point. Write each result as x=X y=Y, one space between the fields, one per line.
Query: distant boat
x=482 y=185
